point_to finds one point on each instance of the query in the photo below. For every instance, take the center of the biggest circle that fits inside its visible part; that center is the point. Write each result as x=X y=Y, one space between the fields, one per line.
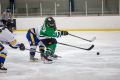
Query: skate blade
x=56 y=57
x=3 y=71
x=53 y=58
x=33 y=60
x=47 y=62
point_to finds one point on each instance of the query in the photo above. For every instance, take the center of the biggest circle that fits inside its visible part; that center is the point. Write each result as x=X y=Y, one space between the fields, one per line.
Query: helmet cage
x=50 y=22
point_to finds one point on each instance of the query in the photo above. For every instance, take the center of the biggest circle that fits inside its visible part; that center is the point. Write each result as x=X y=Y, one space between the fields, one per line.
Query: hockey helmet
x=50 y=22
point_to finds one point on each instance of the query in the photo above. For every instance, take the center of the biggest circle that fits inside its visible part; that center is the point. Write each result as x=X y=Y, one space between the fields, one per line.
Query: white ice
x=75 y=64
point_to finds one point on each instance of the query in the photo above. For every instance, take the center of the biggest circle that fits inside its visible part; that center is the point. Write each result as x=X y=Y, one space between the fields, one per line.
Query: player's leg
x=41 y=49
x=53 y=51
x=33 y=45
x=32 y=53
x=3 y=54
x=49 y=43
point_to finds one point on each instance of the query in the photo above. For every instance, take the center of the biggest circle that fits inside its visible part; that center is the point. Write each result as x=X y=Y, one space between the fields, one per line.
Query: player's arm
x=16 y=45
x=52 y=33
x=7 y=43
x=4 y=42
x=57 y=34
x=49 y=31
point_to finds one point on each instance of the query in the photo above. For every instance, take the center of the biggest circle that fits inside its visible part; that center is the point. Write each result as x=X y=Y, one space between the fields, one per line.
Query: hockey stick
x=77 y=47
x=81 y=38
x=39 y=52
x=32 y=50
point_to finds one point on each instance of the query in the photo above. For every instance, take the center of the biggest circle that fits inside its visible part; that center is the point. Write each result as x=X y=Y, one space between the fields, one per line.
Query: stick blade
x=91 y=47
x=93 y=39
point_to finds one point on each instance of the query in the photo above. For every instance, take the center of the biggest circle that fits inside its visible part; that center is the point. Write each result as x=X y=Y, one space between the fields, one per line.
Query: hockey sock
x=2 y=57
x=50 y=49
x=41 y=49
x=32 y=51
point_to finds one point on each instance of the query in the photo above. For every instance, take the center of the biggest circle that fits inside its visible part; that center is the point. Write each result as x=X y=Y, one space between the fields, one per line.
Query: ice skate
x=42 y=56
x=3 y=69
x=47 y=60
x=32 y=59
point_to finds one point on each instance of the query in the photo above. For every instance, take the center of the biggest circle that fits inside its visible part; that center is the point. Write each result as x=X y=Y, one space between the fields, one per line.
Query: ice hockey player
x=34 y=41
x=5 y=16
x=47 y=35
x=8 y=38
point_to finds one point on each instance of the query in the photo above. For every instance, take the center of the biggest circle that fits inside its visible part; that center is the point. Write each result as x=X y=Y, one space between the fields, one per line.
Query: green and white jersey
x=48 y=32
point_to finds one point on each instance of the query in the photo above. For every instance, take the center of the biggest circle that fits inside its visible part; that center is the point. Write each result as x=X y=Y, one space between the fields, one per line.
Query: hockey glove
x=22 y=47
x=64 y=33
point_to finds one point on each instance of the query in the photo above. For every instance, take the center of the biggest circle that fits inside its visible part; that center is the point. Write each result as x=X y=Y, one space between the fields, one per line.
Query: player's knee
x=32 y=50
x=33 y=47
x=3 y=54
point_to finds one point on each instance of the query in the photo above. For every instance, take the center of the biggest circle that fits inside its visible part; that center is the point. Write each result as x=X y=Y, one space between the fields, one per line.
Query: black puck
x=98 y=53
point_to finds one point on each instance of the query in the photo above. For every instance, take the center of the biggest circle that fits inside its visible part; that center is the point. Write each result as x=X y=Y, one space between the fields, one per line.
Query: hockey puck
x=98 y=53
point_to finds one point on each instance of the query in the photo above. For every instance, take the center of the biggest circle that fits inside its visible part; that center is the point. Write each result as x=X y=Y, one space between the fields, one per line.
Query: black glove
x=22 y=47
x=12 y=46
x=64 y=33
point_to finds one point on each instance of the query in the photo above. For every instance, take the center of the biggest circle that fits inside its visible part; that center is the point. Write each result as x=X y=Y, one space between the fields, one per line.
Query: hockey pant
x=33 y=41
x=50 y=45
x=3 y=54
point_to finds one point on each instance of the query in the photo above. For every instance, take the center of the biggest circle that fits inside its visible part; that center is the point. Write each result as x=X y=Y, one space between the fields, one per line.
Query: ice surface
x=75 y=64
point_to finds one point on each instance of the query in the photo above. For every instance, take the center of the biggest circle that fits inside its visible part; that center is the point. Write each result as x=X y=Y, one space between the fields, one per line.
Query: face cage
x=51 y=26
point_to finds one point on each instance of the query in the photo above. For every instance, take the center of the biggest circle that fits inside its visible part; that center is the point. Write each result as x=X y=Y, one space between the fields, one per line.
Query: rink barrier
x=83 y=23
x=89 y=23
x=83 y=30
